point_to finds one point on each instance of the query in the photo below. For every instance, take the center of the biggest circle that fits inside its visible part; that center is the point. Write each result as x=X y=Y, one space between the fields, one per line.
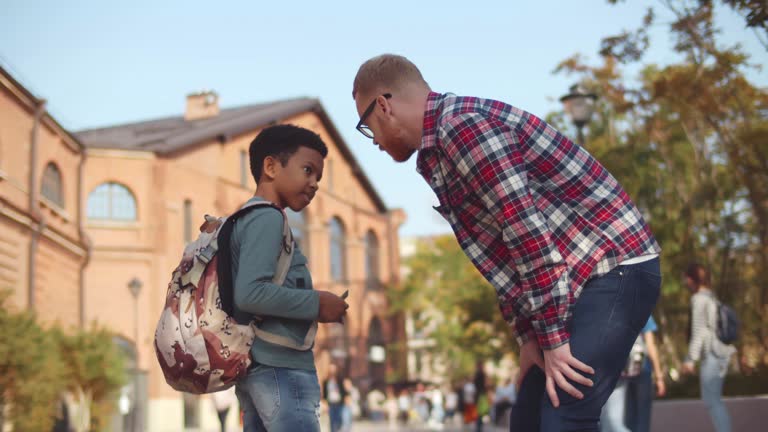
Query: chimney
x=202 y=105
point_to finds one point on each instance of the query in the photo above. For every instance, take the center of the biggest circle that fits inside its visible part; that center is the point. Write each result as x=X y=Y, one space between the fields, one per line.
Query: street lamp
x=579 y=105
x=135 y=287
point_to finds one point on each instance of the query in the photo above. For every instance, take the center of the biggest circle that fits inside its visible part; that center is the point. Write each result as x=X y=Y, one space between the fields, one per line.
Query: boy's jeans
x=608 y=316
x=712 y=376
x=279 y=400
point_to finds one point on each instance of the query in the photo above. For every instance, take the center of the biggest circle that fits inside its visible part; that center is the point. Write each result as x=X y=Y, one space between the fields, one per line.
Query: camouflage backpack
x=200 y=346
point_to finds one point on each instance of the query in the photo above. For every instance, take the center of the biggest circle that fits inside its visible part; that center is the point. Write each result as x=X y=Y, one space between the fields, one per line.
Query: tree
x=689 y=142
x=445 y=293
x=95 y=372
x=39 y=365
x=31 y=373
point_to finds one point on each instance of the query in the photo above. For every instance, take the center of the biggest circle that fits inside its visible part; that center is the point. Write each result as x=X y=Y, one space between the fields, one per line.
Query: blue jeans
x=279 y=400
x=712 y=376
x=629 y=406
x=608 y=316
x=336 y=416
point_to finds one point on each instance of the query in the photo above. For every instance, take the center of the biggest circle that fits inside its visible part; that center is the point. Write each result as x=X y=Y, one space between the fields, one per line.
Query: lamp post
x=135 y=287
x=579 y=104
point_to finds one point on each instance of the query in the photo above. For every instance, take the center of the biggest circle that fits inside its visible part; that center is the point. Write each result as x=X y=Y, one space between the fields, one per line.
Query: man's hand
x=530 y=355
x=661 y=387
x=332 y=307
x=689 y=368
x=559 y=368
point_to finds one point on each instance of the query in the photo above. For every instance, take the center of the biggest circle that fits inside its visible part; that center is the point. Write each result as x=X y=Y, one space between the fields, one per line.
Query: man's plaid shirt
x=536 y=213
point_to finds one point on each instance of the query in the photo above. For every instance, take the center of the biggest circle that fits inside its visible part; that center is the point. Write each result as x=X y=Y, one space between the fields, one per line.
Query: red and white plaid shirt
x=536 y=213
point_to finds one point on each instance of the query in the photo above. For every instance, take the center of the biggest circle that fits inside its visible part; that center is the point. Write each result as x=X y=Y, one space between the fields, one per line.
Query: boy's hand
x=332 y=307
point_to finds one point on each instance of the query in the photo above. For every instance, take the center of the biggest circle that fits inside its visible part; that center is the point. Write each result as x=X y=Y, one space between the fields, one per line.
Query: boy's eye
x=308 y=170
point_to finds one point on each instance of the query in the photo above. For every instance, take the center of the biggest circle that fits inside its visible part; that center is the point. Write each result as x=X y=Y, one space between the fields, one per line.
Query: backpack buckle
x=206 y=254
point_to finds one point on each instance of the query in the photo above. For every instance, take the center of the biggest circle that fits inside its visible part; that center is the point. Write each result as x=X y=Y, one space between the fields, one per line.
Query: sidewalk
x=368 y=426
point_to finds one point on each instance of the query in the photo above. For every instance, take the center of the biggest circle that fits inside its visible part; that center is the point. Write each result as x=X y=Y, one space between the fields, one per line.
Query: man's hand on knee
x=530 y=354
x=559 y=366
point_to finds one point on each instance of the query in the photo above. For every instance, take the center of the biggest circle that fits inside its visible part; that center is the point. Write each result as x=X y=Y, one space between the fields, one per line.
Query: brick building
x=110 y=209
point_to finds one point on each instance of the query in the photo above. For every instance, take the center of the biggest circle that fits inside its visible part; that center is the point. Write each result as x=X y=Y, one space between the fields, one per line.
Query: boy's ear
x=270 y=167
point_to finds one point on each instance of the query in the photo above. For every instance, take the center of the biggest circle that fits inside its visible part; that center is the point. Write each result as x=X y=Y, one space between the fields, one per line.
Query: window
x=299 y=229
x=111 y=201
x=244 y=171
x=371 y=260
x=187 y=221
x=338 y=256
x=51 y=187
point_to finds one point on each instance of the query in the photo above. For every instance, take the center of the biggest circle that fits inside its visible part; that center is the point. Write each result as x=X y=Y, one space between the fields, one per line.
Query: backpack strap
x=281 y=272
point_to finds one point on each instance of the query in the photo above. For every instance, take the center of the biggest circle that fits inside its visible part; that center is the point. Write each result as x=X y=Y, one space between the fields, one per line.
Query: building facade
x=134 y=195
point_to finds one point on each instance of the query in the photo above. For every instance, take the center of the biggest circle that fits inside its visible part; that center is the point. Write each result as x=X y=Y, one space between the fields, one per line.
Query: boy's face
x=297 y=181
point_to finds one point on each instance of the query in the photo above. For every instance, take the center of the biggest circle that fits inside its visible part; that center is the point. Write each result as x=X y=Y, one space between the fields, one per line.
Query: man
x=574 y=265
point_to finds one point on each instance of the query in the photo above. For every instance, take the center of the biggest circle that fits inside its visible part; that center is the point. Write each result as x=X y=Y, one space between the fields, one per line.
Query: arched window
x=338 y=255
x=51 y=187
x=298 y=225
x=111 y=201
x=371 y=260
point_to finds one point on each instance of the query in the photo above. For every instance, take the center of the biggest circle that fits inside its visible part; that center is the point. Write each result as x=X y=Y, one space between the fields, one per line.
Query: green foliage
x=94 y=366
x=450 y=299
x=32 y=376
x=38 y=365
x=689 y=143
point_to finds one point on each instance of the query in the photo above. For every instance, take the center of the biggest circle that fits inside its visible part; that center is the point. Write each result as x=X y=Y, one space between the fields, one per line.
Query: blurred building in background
x=92 y=224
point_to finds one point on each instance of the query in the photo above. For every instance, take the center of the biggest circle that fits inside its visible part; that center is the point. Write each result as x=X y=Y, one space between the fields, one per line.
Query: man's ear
x=270 y=167
x=383 y=106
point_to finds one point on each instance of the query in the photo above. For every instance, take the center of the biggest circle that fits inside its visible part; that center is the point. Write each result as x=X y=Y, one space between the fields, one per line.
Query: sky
x=101 y=63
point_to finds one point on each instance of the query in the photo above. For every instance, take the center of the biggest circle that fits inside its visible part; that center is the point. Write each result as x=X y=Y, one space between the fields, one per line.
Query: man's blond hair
x=389 y=72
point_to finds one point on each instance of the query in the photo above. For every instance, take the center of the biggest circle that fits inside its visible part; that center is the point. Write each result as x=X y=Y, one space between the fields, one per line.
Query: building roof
x=32 y=102
x=170 y=135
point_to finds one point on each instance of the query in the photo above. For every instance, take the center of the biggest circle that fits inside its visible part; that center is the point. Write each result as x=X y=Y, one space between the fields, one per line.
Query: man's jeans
x=629 y=407
x=608 y=316
x=279 y=400
x=712 y=376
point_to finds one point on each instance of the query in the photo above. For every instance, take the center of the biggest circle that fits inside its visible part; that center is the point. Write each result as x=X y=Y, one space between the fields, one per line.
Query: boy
x=281 y=391
x=544 y=223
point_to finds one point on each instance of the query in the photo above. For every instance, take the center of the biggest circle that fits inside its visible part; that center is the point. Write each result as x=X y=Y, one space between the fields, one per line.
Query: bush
x=32 y=375
x=38 y=365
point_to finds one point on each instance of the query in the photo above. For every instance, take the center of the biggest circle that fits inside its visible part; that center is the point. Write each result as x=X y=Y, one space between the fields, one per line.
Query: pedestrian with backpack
x=281 y=391
x=240 y=307
x=705 y=345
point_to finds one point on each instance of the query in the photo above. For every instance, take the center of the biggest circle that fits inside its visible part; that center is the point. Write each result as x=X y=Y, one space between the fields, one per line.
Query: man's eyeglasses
x=361 y=126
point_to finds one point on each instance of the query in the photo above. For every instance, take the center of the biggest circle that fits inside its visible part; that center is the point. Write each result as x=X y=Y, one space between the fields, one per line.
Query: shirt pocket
x=298 y=274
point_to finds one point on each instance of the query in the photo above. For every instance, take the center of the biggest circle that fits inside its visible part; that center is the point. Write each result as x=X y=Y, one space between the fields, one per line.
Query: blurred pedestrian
x=223 y=401
x=334 y=394
x=704 y=345
x=629 y=406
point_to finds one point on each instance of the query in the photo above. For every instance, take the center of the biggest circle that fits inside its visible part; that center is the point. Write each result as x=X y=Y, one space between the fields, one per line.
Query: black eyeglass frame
x=361 y=126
